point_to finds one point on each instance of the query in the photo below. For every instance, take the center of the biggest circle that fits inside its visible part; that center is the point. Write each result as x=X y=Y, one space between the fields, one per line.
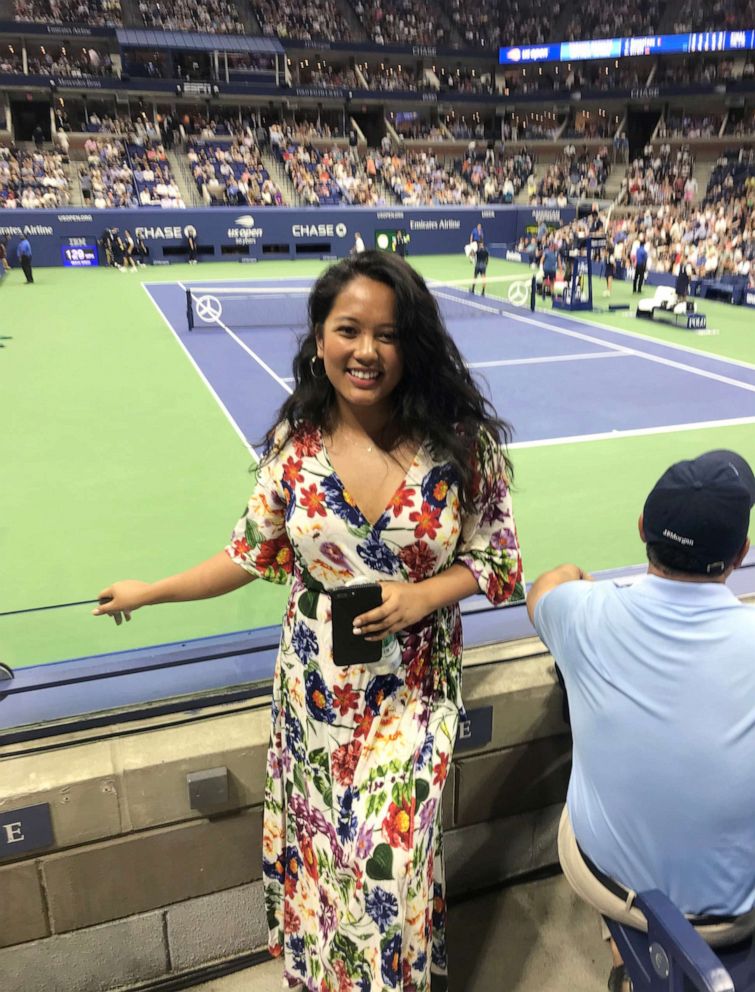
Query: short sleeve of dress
x=259 y=542
x=488 y=543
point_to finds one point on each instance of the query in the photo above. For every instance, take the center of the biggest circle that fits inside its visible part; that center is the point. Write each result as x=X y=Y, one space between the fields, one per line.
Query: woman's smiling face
x=359 y=345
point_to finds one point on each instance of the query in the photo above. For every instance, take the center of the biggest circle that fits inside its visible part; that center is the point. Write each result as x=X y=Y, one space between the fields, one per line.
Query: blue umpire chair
x=673 y=957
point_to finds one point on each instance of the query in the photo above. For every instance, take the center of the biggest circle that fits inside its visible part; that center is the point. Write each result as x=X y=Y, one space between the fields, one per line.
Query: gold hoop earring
x=312 y=363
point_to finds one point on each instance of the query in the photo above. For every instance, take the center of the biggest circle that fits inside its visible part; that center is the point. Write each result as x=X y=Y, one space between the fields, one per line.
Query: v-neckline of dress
x=372 y=524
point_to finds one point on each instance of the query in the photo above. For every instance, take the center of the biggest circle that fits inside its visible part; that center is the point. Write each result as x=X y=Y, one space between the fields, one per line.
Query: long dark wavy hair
x=437 y=398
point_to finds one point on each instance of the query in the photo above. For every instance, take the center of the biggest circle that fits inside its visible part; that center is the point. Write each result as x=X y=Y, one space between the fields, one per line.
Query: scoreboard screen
x=79 y=256
x=617 y=48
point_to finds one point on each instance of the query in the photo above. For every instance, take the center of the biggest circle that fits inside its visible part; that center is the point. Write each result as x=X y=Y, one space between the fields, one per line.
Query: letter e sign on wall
x=25 y=830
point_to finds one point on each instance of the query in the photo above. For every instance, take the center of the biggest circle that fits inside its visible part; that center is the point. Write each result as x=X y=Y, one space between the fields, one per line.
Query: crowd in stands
x=155 y=184
x=744 y=125
x=659 y=177
x=693 y=70
x=690 y=126
x=210 y=16
x=424 y=179
x=95 y=13
x=60 y=62
x=391 y=78
x=713 y=241
x=504 y=23
x=107 y=179
x=596 y=19
x=463 y=81
x=427 y=179
x=11 y=62
x=579 y=175
x=331 y=178
x=716 y=239
x=580 y=76
x=305 y=21
x=714 y=16
x=329 y=76
x=402 y=22
x=716 y=242
x=232 y=173
x=586 y=126
x=731 y=176
x=419 y=130
x=32 y=179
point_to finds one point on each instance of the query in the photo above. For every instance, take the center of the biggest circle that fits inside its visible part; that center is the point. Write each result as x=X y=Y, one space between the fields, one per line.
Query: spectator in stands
x=660 y=683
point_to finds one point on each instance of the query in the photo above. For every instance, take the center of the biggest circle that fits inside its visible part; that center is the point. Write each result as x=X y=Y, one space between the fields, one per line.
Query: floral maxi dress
x=352 y=855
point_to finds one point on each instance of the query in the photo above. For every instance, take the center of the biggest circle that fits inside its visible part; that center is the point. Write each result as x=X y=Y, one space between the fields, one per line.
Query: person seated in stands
x=660 y=683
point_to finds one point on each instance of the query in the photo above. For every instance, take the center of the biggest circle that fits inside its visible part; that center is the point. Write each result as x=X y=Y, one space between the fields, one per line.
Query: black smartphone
x=346 y=605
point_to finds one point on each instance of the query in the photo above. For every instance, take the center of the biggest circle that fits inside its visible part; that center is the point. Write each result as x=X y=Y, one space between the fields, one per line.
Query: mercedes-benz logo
x=519 y=293
x=209 y=309
x=341 y=230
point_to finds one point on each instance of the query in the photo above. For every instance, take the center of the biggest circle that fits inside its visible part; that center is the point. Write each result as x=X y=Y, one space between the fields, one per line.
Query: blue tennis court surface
x=556 y=379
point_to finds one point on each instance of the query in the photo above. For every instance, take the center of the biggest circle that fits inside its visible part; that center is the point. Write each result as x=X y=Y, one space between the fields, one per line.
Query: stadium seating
x=32 y=179
x=306 y=21
x=672 y=956
x=232 y=173
x=659 y=177
x=402 y=22
x=595 y=19
x=692 y=16
x=154 y=182
x=95 y=13
x=210 y=16
x=107 y=180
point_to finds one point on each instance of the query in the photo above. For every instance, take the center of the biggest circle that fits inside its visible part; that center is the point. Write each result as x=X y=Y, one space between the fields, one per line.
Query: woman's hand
x=121 y=599
x=404 y=603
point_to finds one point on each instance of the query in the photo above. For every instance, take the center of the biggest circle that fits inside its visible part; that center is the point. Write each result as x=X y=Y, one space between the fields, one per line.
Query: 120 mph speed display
x=80 y=256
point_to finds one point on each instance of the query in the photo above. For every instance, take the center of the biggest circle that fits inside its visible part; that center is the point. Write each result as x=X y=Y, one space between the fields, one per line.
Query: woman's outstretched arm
x=214 y=577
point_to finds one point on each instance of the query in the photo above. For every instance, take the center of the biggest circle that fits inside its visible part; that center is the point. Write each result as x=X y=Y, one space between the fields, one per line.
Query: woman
x=385 y=466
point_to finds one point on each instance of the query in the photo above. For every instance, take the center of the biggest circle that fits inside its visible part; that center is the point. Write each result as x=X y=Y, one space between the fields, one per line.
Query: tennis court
x=129 y=437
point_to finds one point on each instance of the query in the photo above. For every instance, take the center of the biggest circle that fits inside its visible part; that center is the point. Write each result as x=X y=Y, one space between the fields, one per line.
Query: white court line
x=663 y=344
x=503 y=302
x=537 y=361
x=201 y=374
x=549 y=358
x=637 y=432
x=245 y=347
x=264 y=280
x=633 y=351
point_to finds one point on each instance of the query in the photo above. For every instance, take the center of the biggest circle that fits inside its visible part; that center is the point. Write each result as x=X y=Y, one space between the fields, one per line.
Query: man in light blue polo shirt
x=660 y=678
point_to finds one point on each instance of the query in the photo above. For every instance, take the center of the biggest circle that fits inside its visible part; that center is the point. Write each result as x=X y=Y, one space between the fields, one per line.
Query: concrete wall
x=140 y=886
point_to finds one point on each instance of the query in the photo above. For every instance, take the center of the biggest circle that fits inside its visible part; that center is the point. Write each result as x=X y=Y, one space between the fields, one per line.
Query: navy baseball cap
x=702 y=507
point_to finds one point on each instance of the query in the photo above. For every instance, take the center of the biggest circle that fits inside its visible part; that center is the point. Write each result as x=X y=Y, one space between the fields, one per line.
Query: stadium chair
x=673 y=957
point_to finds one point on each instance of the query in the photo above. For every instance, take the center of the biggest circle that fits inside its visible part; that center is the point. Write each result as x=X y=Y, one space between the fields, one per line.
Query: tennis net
x=277 y=306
